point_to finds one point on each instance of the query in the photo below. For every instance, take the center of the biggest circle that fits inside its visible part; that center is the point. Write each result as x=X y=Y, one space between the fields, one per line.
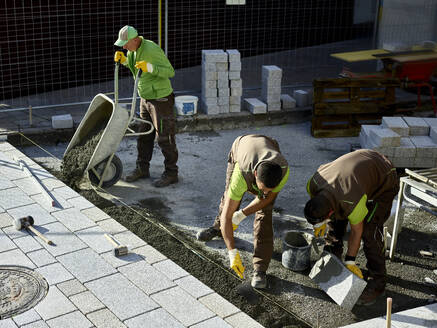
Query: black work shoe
x=165 y=181
x=137 y=174
x=370 y=296
x=259 y=280
x=208 y=234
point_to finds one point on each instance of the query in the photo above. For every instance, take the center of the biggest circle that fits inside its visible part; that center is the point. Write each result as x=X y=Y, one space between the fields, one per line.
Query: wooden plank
x=351 y=82
x=363 y=107
x=355 y=56
x=336 y=133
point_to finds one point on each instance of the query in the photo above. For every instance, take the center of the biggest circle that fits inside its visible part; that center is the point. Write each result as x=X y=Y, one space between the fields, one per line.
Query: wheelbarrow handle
x=117 y=66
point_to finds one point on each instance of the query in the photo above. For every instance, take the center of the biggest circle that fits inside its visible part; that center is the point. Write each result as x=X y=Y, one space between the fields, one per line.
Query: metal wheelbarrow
x=105 y=168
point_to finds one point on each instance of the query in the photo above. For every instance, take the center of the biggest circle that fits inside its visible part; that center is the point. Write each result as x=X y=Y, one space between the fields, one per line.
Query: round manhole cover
x=21 y=289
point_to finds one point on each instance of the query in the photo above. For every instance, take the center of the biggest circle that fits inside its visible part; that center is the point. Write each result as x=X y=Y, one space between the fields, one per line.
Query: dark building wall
x=50 y=45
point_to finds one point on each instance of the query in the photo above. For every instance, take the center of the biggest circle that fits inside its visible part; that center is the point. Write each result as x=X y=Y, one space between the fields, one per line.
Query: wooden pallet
x=341 y=105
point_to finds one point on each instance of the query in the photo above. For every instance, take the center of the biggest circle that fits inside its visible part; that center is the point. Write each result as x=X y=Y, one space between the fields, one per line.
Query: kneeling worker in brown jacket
x=256 y=165
x=357 y=188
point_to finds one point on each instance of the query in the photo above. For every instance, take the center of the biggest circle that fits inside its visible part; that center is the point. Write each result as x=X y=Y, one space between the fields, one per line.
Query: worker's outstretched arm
x=353 y=247
x=259 y=203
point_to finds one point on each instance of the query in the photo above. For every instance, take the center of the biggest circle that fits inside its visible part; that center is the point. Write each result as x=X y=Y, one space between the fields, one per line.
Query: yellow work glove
x=119 y=57
x=235 y=262
x=144 y=66
x=320 y=229
x=237 y=218
x=352 y=267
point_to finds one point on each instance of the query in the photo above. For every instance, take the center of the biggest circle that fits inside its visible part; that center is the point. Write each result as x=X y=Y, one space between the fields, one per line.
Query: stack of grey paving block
x=409 y=142
x=271 y=77
x=287 y=102
x=235 y=81
x=337 y=281
x=302 y=98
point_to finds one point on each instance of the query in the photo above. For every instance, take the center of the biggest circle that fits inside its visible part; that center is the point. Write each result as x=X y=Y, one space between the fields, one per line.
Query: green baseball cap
x=126 y=33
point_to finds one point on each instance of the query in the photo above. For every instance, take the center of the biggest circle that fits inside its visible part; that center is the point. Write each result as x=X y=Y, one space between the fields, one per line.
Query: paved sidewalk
x=88 y=286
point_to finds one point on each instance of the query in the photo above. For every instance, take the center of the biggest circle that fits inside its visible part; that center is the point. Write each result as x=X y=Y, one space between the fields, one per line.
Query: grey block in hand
x=337 y=281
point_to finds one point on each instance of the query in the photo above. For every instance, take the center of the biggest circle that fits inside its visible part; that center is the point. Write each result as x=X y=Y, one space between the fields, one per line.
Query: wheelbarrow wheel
x=112 y=175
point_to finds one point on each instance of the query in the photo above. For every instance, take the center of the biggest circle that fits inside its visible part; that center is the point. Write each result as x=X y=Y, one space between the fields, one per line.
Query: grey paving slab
x=6 y=243
x=16 y=257
x=5 y=183
x=40 y=173
x=64 y=241
x=130 y=239
x=71 y=287
x=120 y=261
x=10 y=169
x=73 y=219
x=28 y=186
x=150 y=254
x=14 y=197
x=121 y=296
x=5 y=220
x=241 y=319
x=70 y=320
x=52 y=183
x=7 y=323
x=182 y=306
x=194 y=287
x=27 y=244
x=55 y=273
x=94 y=238
x=219 y=305
x=86 y=265
x=80 y=203
x=215 y=322
x=424 y=316
x=39 y=214
x=86 y=302
x=41 y=257
x=66 y=192
x=60 y=203
x=170 y=269
x=13 y=233
x=105 y=319
x=26 y=317
x=5 y=146
x=54 y=305
x=372 y=323
x=158 y=318
x=111 y=226
x=95 y=214
x=145 y=277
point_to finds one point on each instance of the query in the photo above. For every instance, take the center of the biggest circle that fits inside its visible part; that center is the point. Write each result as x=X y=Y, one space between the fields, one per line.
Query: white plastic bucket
x=186 y=105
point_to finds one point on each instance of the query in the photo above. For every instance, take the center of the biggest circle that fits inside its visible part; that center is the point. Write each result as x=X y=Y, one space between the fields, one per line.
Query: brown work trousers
x=373 y=239
x=262 y=229
x=160 y=112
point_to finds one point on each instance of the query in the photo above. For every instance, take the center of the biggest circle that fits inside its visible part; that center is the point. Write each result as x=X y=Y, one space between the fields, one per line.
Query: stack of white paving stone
x=222 y=86
x=409 y=142
x=271 y=77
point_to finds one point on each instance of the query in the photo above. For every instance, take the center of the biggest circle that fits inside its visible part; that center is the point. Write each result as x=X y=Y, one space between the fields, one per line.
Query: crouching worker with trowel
x=357 y=188
x=256 y=165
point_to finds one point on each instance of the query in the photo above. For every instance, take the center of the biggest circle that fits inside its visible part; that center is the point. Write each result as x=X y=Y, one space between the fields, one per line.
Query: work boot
x=137 y=174
x=208 y=234
x=370 y=295
x=259 y=280
x=165 y=181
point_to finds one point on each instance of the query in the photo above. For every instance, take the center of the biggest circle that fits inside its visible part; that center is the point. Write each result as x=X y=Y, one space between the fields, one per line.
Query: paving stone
x=431 y=121
x=424 y=316
x=433 y=133
x=215 y=322
x=418 y=126
x=219 y=305
x=39 y=214
x=28 y=186
x=397 y=124
x=86 y=302
x=60 y=203
x=150 y=254
x=66 y=192
x=118 y=293
x=55 y=273
x=406 y=149
x=424 y=162
x=54 y=304
x=80 y=203
x=64 y=241
x=73 y=219
x=5 y=146
x=27 y=244
x=337 y=281
x=111 y=226
x=70 y=320
x=13 y=233
x=6 y=183
x=385 y=137
x=233 y=55
x=37 y=324
x=26 y=317
x=287 y=101
x=372 y=323
x=402 y=162
x=6 y=243
x=10 y=168
x=5 y=220
x=86 y=265
x=301 y=97
x=71 y=287
x=41 y=257
x=255 y=106
x=182 y=306
x=425 y=147
x=146 y=277
x=158 y=318
x=241 y=319
x=193 y=286
x=128 y=238
x=94 y=237
x=117 y=262
x=95 y=214
x=52 y=183
x=170 y=269
x=14 y=197
x=105 y=319
x=7 y=323
x=40 y=172
x=15 y=257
